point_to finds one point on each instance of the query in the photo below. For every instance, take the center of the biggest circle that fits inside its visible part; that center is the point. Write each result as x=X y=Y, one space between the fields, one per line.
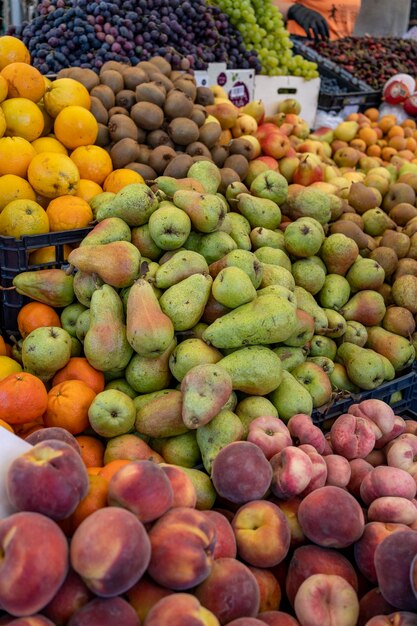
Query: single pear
x=69 y=317
x=256 y=370
x=303 y=332
x=386 y=257
x=207 y=173
x=363 y=198
x=326 y=364
x=315 y=380
x=304 y=237
x=239 y=230
x=205 y=389
x=46 y=350
x=110 y=229
x=169 y=227
x=85 y=285
x=336 y=324
x=279 y=290
x=169 y=185
x=101 y=198
x=213 y=246
x=181 y=450
x=335 y=292
x=206 y=494
x=266 y=237
x=340 y=380
x=232 y=287
x=181 y=265
x=206 y=211
x=134 y=204
x=146 y=374
x=158 y=414
x=364 y=367
x=243 y=259
x=116 y=263
x=355 y=333
x=53 y=287
x=290 y=356
x=273 y=256
x=82 y=325
x=397 y=319
x=376 y=222
x=291 y=398
x=142 y=239
x=307 y=303
x=270 y=185
x=189 y=353
x=338 y=253
x=308 y=275
x=323 y=346
x=252 y=407
x=223 y=429
x=276 y=275
x=312 y=202
x=404 y=292
x=184 y=302
x=260 y=212
x=398 y=350
x=367 y=307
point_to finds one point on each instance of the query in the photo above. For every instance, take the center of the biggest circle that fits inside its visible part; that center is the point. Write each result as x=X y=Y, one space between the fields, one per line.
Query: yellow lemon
x=8 y=366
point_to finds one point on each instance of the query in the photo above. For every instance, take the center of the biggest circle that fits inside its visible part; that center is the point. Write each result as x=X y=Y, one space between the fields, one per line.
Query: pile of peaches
x=308 y=529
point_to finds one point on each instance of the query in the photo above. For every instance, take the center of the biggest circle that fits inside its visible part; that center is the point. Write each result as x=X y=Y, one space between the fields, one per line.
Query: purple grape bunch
x=83 y=33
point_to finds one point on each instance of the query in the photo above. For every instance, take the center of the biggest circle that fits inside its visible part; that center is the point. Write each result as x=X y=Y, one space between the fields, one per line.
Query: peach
x=53 y=432
x=319 y=476
x=352 y=436
x=105 y=612
x=331 y=517
x=359 y=469
x=225 y=537
x=131 y=448
x=392 y=509
x=338 y=470
x=70 y=597
x=262 y=533
x=364 y=548
x=180 y=609
x=290 y=510
x=241 y=473
x=292 y=471
x=326 y=599
x=371 y=604
x=393 y=558
x=308 y=560
x=144 y=595
x=183 y=490
x=402 y=453
x=302 y=428
x=377 y=411
x=269 y=589
x=230 y=591
x=50 y=478
x=270 y=434
x=246 y=621
x=376 y=458
x=410 y=426
x=143 y=488
x=277 y=618
x=110 y=550
x=400 y=618
x=33 y=564
x=387 y=481
x=33 y=620
x=182 y=542
x=400 y=426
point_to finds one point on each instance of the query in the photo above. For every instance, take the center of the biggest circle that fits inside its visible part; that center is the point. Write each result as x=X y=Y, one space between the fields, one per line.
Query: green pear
x=312 y=202
x=355 y=333
x=364 y=367
x=185 y=301
x=365 y=274
x=304 y=237
x=54 y=287
x=112 y=413
x=389 y=370
x=141 y=238
x=336 y=324
x=76 y=347
x=116 y=263
x=291 y=398
x=206 y=494
x=82 y=325
x=85 y=285
x=277 y=275
x=323 y=346
x=223 y=429
x=105 y=344
x=238 y=227
x=252 y=407
x=147 y=374
x=315 y=380
x=256 y=370
x=335 y=292
x=232 y=287
x=158 y=414
x=169 y=227
x=266 y=237
x=273 y=256
x=207 y=173
x=306 y=302
x=309 y=275
x=181 y=450
x=234 y=189
x=376 y=222
x=290 y=356
x=121 y=384
x=205 y=389
x=180 y=266
x=169 y=185
x=270 y=185
x=243 y=259
x=231 y=403
x=213 y=246
x=114 y=374
x=46 y=350
x=206 y=211
x=398 y=350
x=134 y=204
x=260 y=212
x=338 y=253
x=189 y=353
x=101 y=198
x=326 y=364
x=340 y=379
x=69 y=317
x=110 y=229
x=367 y=307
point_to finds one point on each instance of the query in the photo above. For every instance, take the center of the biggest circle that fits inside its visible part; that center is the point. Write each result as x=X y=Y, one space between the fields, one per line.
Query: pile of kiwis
x=152 y=120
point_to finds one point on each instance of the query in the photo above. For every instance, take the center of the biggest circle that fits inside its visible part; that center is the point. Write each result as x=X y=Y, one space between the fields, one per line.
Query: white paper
x=11 y=446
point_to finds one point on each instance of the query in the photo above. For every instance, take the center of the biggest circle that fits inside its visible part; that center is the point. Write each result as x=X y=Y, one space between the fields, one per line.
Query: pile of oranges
x=50 y=168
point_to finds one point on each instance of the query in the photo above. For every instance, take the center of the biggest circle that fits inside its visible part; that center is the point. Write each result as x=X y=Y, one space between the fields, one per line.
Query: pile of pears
x=258 y=301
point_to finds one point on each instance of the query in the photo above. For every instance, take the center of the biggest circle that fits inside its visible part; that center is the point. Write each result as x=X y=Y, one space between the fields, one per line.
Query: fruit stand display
x=209 y=341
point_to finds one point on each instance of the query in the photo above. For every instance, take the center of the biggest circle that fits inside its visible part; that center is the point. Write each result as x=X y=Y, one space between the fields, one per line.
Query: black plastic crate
x=14 y=259
x=407 y=384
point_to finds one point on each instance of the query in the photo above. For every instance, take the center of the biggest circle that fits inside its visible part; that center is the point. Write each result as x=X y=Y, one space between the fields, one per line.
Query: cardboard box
x=272 y=89
x=238 y=84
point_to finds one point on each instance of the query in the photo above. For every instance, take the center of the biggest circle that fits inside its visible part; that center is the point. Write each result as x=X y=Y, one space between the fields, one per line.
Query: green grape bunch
x=262 y=28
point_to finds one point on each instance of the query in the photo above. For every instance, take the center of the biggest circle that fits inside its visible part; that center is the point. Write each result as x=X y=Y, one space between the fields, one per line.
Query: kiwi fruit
x=159 y=138
x=178 y=104
x=121 y=126
x=238 y=163
x=179 y=166
x=126 y=99
x=161 y=64
x=99 y=110
x=242 y=146
x=228 y=176
x=134 y=76
x=183 y=131
x=151 y=92
x=147 y=115
x=204 y=96
x=118 y=111
x=143 y=154
x=219 y=155
x=105 y=94
x=209 y=134
x=85 y=76
x=144 y=170
x=198 y=115
x=175 y=74
x=113 y=65
x=147 y=67
x=123 y=152
x=103 y=135
x=197 y=148
x=64 y=73
x=156 y=76
x=160 y=157
x=200 y=157
x=187 y=86
x=112 y=79
x=141 y=136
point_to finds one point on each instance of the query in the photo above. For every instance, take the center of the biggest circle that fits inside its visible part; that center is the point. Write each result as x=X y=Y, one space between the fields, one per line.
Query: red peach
x=410 y=426
x=184 y=492
x=302 y=428
x=290 y=510
x=70 y=597
x=144 y=595
x=319 y=476
x=359 y=469
x=180 y=609
x=269 y=589
x=338 y=470
x=364 y=548
x=105 y=612
x=387 y=481
x=376 y=458
x=277 y=618
x=326 y=599
x=110 y=550
x=270 y=434
x=34 y=562
x=392 y=509
x=33 y=620
x=400 y=618
x=393 y=558
x=352 y=436
x=53 y=432
x=377 y=411
x=371 y=604
x=246 y=621
x=292 y=471
x=225 y=537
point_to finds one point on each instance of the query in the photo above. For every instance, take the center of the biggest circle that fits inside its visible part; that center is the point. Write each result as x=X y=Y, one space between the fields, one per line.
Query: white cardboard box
x=238 y=84
x=272 y=89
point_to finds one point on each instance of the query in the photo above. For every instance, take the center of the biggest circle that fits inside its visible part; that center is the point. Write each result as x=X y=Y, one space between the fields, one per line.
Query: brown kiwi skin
x=178 y=104
x=198 y=115
x=144 y=154
x=113 y=79
x=162 y=65
x=183 y=131
x=243 y=147
x=126 y=99
x=228 y=176
x=99 y=111
x=103 y=136
x=113 y=65
x=160 y=157
x=134 y=76
x=238 y=163
x=197 y=148
x=147 y=115
x=105 y=94
x=204 y=96
x=118 y=111
x=141 y=136
x=175 y=74
x=179 y=166
x=121 y=126
x=200 y=157
x=219 y=155
x=123 y=152
x=85 y=76
x=188 y=86
x=151 y=92
x=210 y=134
x=144 y=170
x=159 y=138
x=156 y=76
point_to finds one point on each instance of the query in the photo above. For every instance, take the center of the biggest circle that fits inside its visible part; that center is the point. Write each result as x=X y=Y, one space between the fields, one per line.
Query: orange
x=87 y=189
x=23 y=118
x=7 y=426
x=372 y=113
x=8 y=366
x=47 y=255
x=35 y=315
x=23 y=430
x=53 y=175
x=93 y=471
x=109 y=470
x=92 y=450
x=14 y=188
x=120 y=178
x=65 y=92
x=12 y=50
x=68 y=404
x=24 y=81
x=78 y=368
x=4 y=88
x=93 y=162
x=75 y=126
x=23 y=398
x=67 y=213
x=49 y=144
x=23 y=217
x=15 y=155
x=95 y=499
